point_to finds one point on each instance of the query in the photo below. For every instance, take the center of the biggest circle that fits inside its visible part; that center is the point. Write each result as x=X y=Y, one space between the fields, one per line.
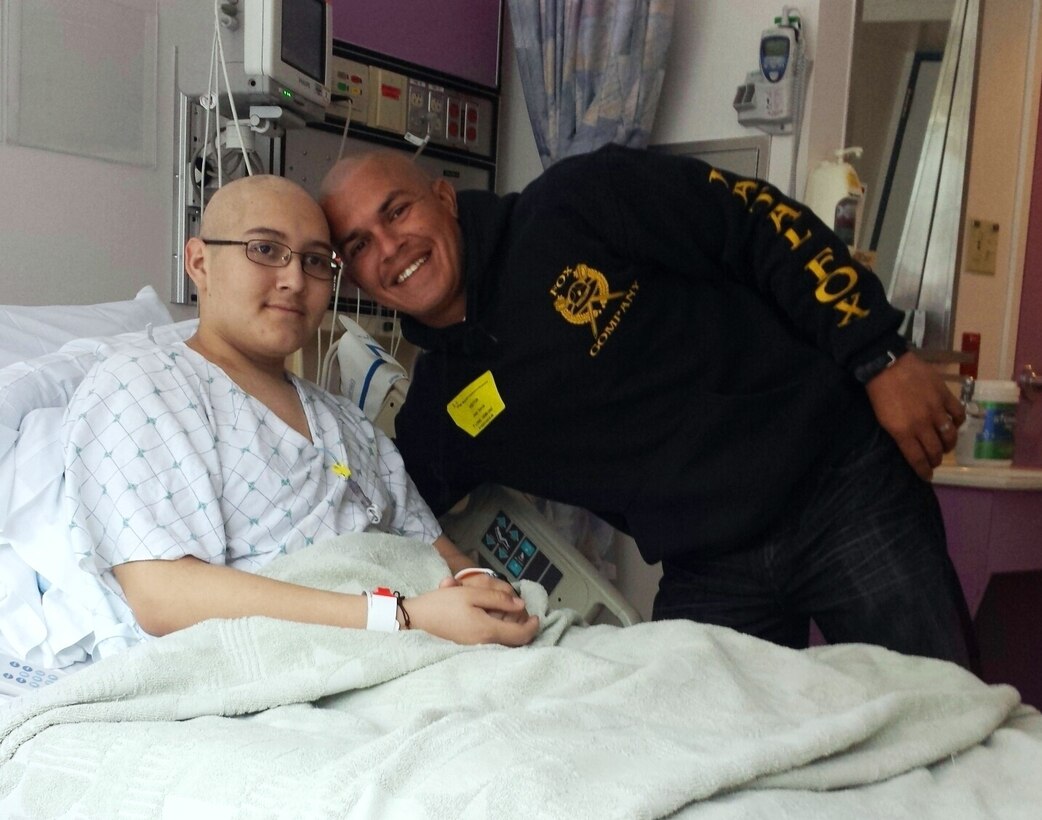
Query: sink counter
x=988 y=477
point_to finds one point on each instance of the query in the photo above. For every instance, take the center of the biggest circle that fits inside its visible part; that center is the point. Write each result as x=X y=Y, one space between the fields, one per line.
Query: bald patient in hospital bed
x=193 y=465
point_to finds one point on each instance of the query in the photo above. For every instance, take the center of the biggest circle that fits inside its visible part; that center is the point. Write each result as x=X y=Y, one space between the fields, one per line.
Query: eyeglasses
x=276 y=255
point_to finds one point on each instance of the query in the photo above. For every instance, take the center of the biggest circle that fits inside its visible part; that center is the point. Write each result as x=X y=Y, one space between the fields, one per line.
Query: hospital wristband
x=468 y=571
x=381 y=610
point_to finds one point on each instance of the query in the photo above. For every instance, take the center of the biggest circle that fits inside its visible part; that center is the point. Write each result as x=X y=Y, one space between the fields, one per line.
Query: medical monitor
x=277 y=52
x=287 y=51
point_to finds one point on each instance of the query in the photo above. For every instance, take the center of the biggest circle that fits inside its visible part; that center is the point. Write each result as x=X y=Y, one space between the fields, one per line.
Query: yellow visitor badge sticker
x=476 y=405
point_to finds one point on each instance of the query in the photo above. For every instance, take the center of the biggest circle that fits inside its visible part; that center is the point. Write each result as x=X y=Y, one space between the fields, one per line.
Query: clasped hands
x=478 y=609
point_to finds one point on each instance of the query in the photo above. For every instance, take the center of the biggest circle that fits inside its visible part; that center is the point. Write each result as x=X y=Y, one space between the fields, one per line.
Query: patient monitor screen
x=304 y=36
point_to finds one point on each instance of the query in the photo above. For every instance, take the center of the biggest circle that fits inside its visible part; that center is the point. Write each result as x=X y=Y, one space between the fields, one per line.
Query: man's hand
x=483 y=581
x=916 y=408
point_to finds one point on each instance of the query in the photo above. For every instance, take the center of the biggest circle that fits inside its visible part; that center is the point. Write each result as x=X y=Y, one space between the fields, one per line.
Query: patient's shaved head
x=229 y=207
x=254 y=312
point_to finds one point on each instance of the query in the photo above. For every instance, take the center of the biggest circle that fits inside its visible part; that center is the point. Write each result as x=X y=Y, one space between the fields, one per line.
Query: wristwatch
x=864 y=373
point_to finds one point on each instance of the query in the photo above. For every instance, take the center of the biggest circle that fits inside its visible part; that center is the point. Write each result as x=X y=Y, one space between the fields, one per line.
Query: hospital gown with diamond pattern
x=167 y=457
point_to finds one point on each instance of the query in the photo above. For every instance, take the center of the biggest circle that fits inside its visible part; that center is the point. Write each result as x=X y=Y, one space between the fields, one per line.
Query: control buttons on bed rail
x=510 y=535
x=18 y=677
x=517 y=553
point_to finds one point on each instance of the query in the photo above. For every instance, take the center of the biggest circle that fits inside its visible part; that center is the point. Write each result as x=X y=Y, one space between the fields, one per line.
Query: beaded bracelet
x=401 y=605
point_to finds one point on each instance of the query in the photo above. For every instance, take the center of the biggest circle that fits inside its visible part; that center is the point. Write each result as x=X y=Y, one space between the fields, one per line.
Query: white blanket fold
x=258 y=717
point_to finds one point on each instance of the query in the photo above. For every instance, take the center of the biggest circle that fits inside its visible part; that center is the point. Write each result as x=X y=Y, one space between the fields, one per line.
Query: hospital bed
x=263 y=718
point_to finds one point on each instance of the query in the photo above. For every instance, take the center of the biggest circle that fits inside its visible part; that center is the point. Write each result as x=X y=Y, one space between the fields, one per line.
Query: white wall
x=517 y=160
x=75 y=230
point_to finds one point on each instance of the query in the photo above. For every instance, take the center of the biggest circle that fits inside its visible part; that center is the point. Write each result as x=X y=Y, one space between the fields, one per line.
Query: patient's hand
x=474 y=613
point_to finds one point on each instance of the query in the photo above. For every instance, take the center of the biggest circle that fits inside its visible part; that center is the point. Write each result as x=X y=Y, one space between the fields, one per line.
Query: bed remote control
x=18 y=677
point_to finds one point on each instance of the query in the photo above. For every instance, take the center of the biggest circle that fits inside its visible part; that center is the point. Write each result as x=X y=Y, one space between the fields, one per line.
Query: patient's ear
x=195 y=261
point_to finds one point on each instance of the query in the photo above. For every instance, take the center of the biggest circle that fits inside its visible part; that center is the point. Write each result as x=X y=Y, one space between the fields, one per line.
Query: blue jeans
x=861 y=550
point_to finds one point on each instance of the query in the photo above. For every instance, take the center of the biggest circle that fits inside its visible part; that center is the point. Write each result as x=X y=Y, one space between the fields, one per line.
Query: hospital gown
x=167 y=457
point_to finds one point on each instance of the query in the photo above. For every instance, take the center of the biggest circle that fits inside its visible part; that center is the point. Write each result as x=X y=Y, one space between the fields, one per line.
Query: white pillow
x=49 y=380
x=30 y=331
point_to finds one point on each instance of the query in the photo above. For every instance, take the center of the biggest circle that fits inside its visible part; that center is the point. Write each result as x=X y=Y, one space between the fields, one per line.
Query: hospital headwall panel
x=378 y=101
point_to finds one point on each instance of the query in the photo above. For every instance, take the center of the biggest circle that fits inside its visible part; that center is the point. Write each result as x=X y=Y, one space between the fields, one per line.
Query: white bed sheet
x=257 y=717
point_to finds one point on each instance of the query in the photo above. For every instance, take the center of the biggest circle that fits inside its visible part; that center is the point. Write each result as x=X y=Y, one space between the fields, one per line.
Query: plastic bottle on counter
x=986 y=437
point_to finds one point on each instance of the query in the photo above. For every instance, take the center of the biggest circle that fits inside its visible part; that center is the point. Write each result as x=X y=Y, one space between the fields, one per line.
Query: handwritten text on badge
x=476 y=405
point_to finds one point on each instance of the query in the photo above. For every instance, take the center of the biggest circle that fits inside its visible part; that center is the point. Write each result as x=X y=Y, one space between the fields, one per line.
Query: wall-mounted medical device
x=770 y=98
x=276 y=53
x=269 y=70
x=397 y=99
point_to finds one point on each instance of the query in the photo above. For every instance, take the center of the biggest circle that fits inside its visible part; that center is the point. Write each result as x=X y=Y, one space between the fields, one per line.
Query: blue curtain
x=591 y=70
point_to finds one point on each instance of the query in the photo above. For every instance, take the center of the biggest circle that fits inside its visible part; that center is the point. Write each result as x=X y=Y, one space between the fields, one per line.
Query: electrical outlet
x=453 y=118
x=470 y=124
x=436 y=111
x=982 y=246
x=417 y=118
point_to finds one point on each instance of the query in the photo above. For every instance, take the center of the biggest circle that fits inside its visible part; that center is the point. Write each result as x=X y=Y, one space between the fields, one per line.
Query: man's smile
x=409 y=271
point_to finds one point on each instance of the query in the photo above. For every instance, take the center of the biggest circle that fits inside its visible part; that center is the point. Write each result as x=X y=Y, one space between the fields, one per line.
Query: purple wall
x=1028 y=436
x=457 y=37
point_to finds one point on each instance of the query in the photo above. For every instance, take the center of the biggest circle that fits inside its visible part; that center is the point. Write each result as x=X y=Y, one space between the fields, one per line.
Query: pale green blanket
x=264 y=718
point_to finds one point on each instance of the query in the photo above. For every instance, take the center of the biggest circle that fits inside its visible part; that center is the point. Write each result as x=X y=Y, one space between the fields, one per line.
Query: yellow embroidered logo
x=581 y=294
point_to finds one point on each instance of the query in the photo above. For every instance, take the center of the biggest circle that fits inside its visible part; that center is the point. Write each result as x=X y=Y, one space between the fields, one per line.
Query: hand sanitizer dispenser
x=836 y=195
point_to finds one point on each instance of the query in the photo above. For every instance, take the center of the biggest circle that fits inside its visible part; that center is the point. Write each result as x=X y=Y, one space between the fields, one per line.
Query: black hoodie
x=674 y=348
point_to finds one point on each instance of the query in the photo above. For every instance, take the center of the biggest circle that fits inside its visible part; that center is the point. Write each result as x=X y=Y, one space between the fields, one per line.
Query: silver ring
x=946 y=427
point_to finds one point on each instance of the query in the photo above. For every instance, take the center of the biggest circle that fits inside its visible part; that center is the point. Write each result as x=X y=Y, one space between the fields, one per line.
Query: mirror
x=912 y=82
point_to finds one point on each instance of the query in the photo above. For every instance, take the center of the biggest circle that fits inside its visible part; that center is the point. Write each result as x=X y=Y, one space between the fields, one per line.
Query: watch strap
x=864 y=373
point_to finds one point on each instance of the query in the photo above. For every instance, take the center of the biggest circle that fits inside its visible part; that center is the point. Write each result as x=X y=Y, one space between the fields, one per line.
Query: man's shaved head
x=398 y=232
x=338 y=179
